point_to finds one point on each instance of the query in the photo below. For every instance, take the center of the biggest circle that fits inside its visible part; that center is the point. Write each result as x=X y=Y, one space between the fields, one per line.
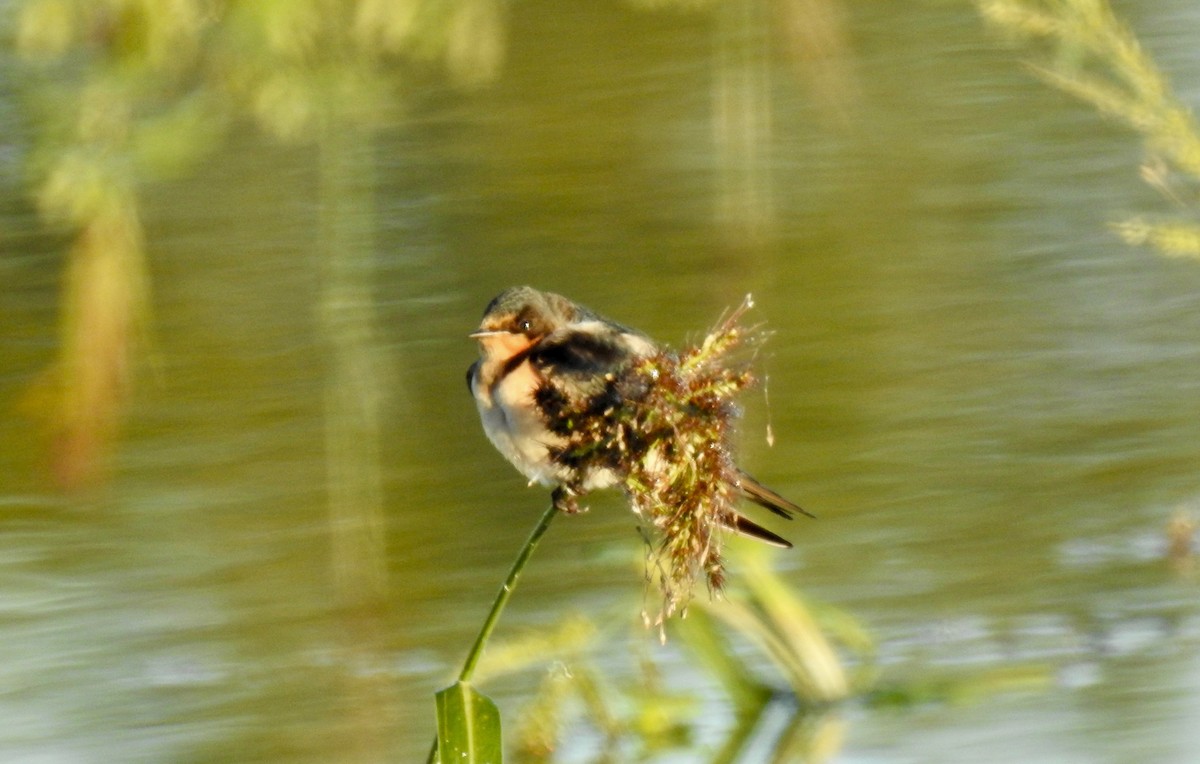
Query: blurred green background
x=247 y=512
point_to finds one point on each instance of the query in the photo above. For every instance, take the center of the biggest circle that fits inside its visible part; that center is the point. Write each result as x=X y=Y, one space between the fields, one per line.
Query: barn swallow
x=527 y=337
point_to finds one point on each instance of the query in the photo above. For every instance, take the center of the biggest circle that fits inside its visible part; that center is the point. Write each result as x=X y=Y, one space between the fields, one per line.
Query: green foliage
x=468 y=725
x=1090 y=54
x=639 y=717
x=801 y=663
x=806 y=650
x=634 y=718
x=128 y=92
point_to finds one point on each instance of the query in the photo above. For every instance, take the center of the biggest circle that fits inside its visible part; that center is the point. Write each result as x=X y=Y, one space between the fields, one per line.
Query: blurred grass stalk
x=84 y=177
x=126 y=92
x=798 y=641
x=812 y=35
x=742 y=123
x=129 y=92
x=792 y=710
x=354 y=393
x=1095 y=57
x=354 y=381
x=105 y=302
x=776 y=620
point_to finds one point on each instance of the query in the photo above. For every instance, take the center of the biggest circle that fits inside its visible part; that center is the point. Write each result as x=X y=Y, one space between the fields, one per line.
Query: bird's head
x=519 y=317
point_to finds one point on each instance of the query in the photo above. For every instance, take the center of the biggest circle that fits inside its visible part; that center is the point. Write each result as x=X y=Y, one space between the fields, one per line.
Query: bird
x=528 y=337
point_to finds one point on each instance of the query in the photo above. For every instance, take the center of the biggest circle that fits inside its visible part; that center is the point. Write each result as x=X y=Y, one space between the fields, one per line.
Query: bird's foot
x=566 y=501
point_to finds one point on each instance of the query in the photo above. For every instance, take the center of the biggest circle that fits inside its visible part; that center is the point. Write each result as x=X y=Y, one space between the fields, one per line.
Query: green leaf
x=468 y=726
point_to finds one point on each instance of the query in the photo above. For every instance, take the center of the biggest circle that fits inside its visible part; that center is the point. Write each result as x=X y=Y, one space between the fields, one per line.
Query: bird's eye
x=525 y=324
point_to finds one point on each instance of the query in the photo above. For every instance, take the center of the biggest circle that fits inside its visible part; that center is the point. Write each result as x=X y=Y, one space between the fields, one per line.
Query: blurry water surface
x=991 y=403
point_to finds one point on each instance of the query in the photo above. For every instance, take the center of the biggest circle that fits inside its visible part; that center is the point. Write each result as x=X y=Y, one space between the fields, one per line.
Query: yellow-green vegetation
x=802 y=652
x=800 y=640
x=1088 y=52
x=809 y=660
x=127 y=92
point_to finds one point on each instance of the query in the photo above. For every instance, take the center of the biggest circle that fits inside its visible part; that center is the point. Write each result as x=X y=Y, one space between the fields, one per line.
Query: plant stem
x=505 y=592
x=502 y=596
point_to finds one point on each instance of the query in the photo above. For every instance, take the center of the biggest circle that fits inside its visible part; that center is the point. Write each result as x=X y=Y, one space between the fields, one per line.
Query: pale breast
x=513 y=424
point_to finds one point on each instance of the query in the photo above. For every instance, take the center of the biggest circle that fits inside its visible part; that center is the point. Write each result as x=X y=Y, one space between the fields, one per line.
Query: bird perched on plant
x=578 y=402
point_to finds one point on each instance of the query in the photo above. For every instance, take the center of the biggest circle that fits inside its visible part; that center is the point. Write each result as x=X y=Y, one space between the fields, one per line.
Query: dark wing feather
x=745 y=527
x=765 y=497
x=584 y=354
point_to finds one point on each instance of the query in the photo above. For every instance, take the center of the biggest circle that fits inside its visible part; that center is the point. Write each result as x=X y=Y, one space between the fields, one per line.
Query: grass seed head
x=664 y=424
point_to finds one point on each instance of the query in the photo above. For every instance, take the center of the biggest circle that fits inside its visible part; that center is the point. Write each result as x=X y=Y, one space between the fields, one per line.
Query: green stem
x=505 y=592
x=502 y=596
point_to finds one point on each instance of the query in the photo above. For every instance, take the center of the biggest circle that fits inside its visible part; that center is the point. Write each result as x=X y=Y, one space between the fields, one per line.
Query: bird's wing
x=765 y=497
x=471 y=375
x=750 y=529
x=587 y=350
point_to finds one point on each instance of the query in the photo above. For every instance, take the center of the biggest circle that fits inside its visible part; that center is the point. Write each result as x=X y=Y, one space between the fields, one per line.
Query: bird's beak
x=501 y=344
